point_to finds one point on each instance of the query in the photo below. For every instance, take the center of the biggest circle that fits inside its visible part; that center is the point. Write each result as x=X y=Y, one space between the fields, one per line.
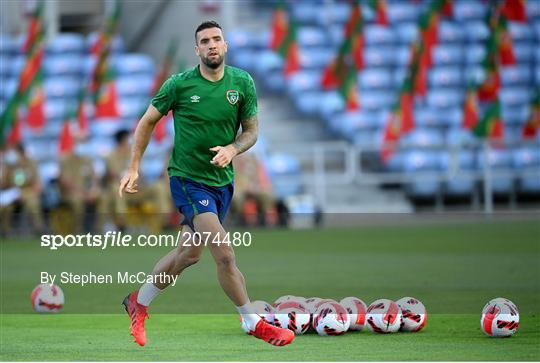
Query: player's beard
x=213 y=63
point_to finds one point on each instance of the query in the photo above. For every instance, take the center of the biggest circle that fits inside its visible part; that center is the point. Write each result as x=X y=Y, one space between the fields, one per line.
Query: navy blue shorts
x=192 y=198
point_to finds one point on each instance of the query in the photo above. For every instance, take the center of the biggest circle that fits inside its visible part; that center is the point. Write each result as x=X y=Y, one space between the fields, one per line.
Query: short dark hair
x=206 y=25
x=120 y=136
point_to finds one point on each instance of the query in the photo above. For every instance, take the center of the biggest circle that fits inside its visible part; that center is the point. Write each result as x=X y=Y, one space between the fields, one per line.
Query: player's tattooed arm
x=248 y=136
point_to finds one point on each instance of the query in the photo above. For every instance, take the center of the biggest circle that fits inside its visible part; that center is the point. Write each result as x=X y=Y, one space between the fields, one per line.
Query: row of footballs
x=329 y=317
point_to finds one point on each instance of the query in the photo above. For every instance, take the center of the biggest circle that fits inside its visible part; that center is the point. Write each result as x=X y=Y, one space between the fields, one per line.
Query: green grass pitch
x=453 y=268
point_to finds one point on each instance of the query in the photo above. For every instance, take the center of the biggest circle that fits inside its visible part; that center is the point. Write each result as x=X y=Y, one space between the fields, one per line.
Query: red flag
x=530 y=129
x=400 y=122
x=35 y=117
x=470 y=109
x=30 y=70
x=82 y=119
x=448 y=8
x=489 y=89
x=15 y=136
x=292 y=60
x=35 y=29
x=280 y=26
x=106 y=105
x=329 y=77
x=66 y=142
x=160 y=132
x=515 y=10
x=504 y=42
x=380 y=11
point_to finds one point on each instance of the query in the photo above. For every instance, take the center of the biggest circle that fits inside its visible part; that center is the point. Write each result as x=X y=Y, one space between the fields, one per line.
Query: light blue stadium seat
x=519 y=75
x=375 y=78
x=432 y=117
x=469 y=10
x=450 y=32
x=275 y=81
x=399 y=76
x=304 y=13
x=514 y=115
x=332 y=13
x=476 y=31
x=137 y=85
x=537 y=76
x=303 y=81
x=105 y=128
x=402 y=11
x=245 y=58
x=457 y=135
x=132 y=106
x=62 y=87
x=42 y=150
x=268 y=61
x=444 y=98
x=423 y=137
x=475 y=53
x=444 y=54
x=474 y=73
x=244 y=40
x=9 y=87
x=5 y=63
x=459 y=184
x=310 y=103
x=524 y=51
x=379 y=56
x=16 y=65
x=48 y=171
x=100 y=146
x=364 y=138
x=61 y=65
x=532 y=10
x=65 y=43
x=402 y=56
x=379 y=35
x=520 y=31
x=282 y=164
x=261 y=39
x=49 y=131
x=7 y=44
x=445 y=77
x=395 y=162
x=316 y=58
x=117 y=45
x=528 y=158
x=153 y=168
x=133 y=63
x=406 y=33
x=310 y=36
x=331 y=103
x=336 y=34
x=377 y=100
x=498 y=159
x=421 y=161
x=350 y=122
x=56 y=109
x=18 y=42
x=514 y=96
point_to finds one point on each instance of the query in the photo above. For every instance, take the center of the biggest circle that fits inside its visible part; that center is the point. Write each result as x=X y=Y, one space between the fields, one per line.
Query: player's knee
x=186 y=260
x=226 y=260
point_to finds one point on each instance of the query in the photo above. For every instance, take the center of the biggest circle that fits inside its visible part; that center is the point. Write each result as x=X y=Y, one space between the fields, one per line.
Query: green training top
x=206 y=114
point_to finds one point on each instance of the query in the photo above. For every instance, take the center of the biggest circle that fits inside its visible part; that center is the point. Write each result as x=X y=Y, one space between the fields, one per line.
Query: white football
x=47 y=298
x=263 y=309
x=283 y=298
x=311 y=302
x=500 y=318
x=294 y=316
x=331 y=319
x=357 y=312
x=383 y=316
x=414 y=314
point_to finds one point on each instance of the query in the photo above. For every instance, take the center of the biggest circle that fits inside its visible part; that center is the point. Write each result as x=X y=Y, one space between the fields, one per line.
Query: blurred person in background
x=79 y=185
x=20 y=176
x=253 y=197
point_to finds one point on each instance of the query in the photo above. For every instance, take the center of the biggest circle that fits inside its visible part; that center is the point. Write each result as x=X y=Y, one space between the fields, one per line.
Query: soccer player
x=209 y=103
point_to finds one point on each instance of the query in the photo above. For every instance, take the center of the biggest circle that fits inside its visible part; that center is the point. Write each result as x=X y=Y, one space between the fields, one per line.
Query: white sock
x=250 y=318
x=147 y=293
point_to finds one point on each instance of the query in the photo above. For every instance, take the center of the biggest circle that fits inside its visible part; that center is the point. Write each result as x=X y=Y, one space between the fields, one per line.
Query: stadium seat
x=7 y=44
x=57 y=109
x=245 y=58
x=519 y=75
x=527 y=159
x=63 y=65
x=376 y=35
x=274 y=81
x=423 y=137
x=132 y=106
x=336 y=34
x=282 y=164
x=474 y=74
x=48 y=171
x=421 y=161
x=457 y=136
x=514 y=96
x=375 y=78
x=244 y=40
x=268 y=60
x=468 y=10
x=153 y=169
x=364 y=138
x=532 y=10
x=377 y=100
x=133 y=63
x=5 y=62
x=444 y=54
x=444 y=98
x=332 y=13
x=440 y=77
x=62 y=87
x=44 y=150
x=311 y=37
x=406 y=33
x=514 y=115
x=16 y=65
x=403 y=11
x=475 y=54
x=379 y=56
x=450 y=32
x=476 y=31
x=316 y=58
x=103 y=128
x=137 y=85
x=8 y=89
x=536 y=27
x=350 y=122
x=402 y=55
x=304 y=13
x=117 y=45
x=524 y=51
x=520 y=31
x=66 y=43
x=303 y=81
x=498 y=159
x=331 y=103
x=456 y=162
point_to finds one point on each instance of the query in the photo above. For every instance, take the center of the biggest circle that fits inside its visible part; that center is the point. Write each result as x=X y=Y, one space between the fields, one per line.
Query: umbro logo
x=195 y=98
x=204 y=202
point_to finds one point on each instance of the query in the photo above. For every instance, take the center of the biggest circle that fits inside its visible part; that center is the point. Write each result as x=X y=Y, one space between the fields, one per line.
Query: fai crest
x=232 y=97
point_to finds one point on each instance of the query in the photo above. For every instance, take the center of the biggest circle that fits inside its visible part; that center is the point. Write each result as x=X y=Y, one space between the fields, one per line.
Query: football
x=283 y=298
x=293 y=316
x=310 y=304
x=47 y=298
x=357 y=312
x=414 y=314
x=383 y=316
x=262 y=308
x=500 y=318
x=331 y=318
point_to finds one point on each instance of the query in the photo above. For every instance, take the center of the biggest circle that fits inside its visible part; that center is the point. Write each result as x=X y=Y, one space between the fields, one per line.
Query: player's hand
x=129 y=183
x=224 y=155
